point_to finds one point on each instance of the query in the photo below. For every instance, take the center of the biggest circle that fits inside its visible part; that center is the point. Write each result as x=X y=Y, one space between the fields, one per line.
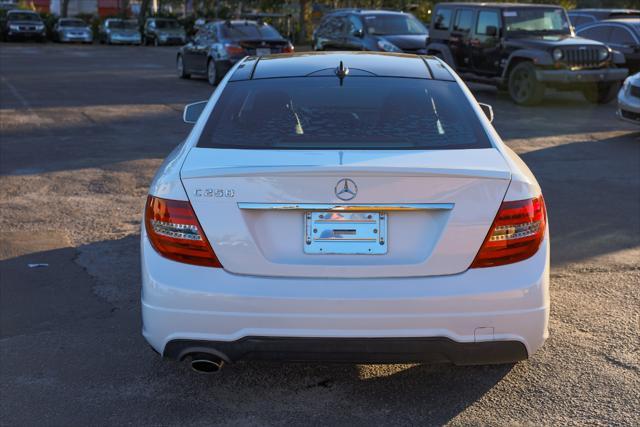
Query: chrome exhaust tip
x=206 y=363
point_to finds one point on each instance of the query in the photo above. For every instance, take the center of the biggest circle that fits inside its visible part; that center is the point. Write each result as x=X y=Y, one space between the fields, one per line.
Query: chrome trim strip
x=392 y=207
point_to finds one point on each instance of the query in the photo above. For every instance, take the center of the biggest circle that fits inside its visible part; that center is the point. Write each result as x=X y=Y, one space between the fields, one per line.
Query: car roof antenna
x=342 y=72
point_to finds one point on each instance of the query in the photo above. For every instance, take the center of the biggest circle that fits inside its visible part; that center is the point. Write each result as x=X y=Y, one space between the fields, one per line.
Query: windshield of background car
x=249 y=31
x=536 y=20
x=359 y=113
x=21 y=16
x=383 y=25
x=167 y=24
x=123 y=25
x=72 y=23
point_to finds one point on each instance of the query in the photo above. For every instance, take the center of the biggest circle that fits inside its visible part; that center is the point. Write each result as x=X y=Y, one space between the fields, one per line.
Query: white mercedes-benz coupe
x=353 y=207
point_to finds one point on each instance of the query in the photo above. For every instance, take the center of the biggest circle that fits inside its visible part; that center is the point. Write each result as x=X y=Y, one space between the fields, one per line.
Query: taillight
x=288 y=48
x=174 y=231
x=515 y=235
x=234 y=50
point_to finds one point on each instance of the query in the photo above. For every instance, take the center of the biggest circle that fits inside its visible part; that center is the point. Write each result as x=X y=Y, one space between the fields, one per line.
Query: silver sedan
x=69 y=30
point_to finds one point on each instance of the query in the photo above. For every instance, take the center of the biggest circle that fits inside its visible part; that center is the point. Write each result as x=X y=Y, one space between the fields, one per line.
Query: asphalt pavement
x=82 y=130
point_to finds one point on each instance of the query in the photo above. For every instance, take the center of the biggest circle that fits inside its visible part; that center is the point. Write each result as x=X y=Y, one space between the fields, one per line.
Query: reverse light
x=515 y=235
x=175 y=233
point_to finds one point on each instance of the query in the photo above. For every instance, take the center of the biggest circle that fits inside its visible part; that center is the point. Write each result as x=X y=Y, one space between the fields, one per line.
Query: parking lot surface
x=83 y=129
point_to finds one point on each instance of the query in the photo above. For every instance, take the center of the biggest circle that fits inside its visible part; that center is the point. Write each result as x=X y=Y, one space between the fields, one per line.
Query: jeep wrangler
x=524 y=49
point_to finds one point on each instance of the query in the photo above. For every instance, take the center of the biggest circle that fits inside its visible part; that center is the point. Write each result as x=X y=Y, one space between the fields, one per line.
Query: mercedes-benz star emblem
x=346 y=189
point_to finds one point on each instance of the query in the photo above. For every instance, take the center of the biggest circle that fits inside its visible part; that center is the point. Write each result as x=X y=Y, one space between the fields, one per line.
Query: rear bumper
x=582 y=76
x=504 y=310
x=353 y=350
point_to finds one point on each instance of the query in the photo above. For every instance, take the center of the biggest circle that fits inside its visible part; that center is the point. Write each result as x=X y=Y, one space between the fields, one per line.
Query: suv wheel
x=180 y=67
x=212 y=73
x=601 y=93
x=524 y=88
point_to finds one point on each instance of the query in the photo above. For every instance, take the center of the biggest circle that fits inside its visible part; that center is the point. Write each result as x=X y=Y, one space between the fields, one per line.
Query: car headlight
x=603 y=53
x=557 y=54
x=39 y=27
x=14 y=27
x=387 y=46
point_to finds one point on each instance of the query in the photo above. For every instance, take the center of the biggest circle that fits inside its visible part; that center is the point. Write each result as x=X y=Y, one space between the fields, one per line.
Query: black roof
x=500 y=5
x=325 y=64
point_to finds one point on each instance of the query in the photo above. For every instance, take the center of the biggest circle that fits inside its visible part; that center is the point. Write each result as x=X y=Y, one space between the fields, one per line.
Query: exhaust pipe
x=206 y=363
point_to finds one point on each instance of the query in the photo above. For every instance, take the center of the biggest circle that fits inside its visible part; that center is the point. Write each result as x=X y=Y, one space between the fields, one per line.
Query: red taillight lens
x=234 y=50
x=515 y=235
x=288 y=48
x=174 y=231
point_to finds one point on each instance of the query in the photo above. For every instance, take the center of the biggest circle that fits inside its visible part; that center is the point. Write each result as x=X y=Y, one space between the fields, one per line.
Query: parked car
x=68 y=30
x=23 y=25
x=580 y=17
x=163 y=31
x=629 y=100
x=373 y=30
x=524 y=49
x=347 y=207
x=622 y=35
x=218 y=45
x=120 y=31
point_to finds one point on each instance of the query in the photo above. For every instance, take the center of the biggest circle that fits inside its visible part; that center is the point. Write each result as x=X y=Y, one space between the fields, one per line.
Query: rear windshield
x=361 y=113
x=167 y=24
x=249 y=31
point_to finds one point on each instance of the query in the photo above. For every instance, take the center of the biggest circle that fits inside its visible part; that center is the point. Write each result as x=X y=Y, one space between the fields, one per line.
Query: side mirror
x=192 y=112
x=487 y=110
x=358 y=33
x=492 y=31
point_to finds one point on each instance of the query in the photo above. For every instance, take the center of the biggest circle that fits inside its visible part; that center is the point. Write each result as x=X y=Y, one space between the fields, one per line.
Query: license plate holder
x=261 y=51
x=345 y=233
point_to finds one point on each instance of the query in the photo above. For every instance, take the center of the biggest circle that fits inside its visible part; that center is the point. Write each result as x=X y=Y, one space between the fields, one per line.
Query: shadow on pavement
x=72 y=342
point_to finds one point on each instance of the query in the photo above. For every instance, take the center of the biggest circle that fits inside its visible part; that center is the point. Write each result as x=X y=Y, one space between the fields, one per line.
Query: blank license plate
x=263 y=51
x=345 y=233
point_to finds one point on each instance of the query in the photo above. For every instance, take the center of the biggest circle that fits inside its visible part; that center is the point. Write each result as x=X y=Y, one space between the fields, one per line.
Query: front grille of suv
x=582 y=57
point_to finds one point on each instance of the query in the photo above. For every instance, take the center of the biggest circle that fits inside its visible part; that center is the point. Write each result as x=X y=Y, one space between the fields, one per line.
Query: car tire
x=213 y=76
x=180 y=68
x=601 y=93
x=156 y=42
x=524 y=87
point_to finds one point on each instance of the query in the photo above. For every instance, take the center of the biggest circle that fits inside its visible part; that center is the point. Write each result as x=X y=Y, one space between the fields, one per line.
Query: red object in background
x=111 y=8
x=41 y=5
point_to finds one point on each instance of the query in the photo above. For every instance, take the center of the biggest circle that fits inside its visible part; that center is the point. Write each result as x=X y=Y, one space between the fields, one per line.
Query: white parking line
x=17 y=95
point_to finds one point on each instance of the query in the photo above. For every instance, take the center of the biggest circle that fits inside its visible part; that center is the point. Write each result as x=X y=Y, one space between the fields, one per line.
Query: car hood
x=552 y=41
x=408 y=41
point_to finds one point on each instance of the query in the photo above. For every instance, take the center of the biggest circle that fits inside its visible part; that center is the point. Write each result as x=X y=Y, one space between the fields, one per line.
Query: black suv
x=23 y=24
x=523 y=48
x=374 y=30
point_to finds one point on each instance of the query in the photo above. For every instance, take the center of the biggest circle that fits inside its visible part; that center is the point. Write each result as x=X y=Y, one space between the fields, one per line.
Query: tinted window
x=382 y=24
x=249 y=31
x=167 y=24
x=72 y=23
x=353 y=24
x=23 y=16
x=577 y=20
x=536 y=20
x=598 y=32
x=360 y=113
x=621 y=36
x=464 y=18
x=442 y=19
x=487 y=18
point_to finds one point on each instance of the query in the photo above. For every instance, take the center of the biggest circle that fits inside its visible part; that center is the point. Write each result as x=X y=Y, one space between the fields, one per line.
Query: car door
x=459 y=41
x=485 y=44
x=353 y=33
